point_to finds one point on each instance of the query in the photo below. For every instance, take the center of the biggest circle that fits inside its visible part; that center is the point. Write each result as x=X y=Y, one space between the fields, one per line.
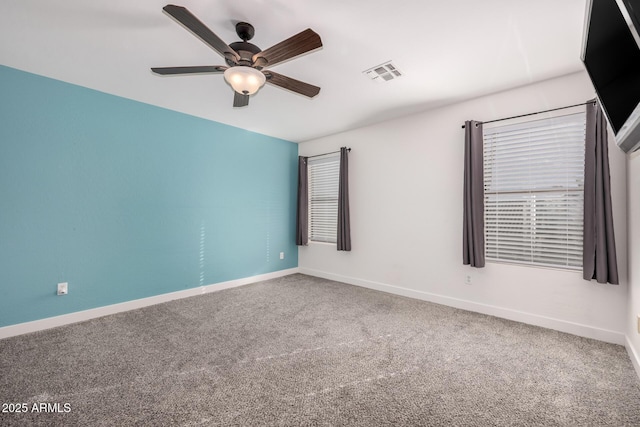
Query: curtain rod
x=333 y=152
x=538 y=112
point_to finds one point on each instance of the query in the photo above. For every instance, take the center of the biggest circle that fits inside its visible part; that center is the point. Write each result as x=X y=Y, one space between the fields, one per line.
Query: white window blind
x=534 y=191
x=323 y=176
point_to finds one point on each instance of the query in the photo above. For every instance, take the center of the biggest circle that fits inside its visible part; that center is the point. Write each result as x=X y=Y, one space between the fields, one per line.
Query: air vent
x=383 y=72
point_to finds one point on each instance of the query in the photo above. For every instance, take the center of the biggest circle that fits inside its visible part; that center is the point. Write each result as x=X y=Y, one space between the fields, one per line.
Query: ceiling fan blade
x=193 y=24
x=293 y=85
x=303 y=42
x=189 y=70
x=240 y=100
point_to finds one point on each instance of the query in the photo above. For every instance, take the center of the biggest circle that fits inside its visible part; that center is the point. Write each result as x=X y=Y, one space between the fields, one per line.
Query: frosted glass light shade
x=243 y=79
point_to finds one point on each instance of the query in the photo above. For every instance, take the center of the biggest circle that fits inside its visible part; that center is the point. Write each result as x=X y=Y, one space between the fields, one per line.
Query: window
x=534 y=192
x=324 y=173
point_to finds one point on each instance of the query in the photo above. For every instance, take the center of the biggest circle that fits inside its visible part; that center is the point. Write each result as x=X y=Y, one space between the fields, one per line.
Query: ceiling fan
x=245 y=70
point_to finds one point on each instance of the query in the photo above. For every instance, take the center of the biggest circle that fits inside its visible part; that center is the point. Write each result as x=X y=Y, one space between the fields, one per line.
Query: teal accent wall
x=124 y=200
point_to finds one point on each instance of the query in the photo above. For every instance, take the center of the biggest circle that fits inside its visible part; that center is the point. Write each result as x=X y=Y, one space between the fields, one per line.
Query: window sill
x=536 y=266
x=313 y=242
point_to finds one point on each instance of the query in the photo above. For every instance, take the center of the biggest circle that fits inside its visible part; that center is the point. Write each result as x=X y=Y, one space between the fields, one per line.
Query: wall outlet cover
x=63 y=288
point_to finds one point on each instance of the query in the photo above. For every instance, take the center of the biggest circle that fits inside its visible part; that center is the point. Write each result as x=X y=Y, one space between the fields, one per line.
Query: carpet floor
x=300 y=350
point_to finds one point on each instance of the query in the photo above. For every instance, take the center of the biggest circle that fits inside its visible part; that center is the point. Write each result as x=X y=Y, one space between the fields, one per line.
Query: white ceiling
x=448 y=50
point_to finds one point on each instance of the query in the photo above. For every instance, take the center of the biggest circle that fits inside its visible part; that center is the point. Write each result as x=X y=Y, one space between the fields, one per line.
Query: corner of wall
x=633 y=355
x=632 y=343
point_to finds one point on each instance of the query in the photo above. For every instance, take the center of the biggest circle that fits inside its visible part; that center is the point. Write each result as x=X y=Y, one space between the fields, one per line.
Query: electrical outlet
x=467 y=279
x=281 y=255
x=63 y=288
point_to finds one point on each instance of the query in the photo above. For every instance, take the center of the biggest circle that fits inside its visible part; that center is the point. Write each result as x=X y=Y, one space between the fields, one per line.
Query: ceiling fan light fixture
x=245 y=60
x=243 y=79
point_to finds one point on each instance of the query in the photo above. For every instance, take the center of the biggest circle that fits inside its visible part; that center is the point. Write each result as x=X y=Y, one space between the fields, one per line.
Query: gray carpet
x=306 y=351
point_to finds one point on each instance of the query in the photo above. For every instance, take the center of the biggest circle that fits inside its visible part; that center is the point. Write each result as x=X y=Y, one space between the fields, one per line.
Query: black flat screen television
x=611 y=56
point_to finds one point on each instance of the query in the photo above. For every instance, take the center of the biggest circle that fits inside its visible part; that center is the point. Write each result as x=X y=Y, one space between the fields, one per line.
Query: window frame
x=323 y=186
x=543 y=252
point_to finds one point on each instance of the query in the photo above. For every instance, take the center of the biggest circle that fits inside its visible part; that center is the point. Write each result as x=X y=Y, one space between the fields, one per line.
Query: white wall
x=406 y=216
x=633 y=212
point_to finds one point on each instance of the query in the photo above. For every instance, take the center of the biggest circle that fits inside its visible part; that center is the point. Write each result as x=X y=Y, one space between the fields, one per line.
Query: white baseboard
x=79 y=316
x=505 y=313
x=633 y=355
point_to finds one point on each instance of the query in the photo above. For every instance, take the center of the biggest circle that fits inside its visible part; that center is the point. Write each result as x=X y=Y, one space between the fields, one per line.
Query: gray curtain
x=302 y=214
x=599 y=246
x=473 y=205
x=344 y=223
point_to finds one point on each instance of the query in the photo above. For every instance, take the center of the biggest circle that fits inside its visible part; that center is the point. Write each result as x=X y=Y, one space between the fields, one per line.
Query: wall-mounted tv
x=611 y=56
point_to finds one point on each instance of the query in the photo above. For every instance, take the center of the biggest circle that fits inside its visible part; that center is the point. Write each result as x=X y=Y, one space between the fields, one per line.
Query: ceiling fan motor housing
x=246 y=51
